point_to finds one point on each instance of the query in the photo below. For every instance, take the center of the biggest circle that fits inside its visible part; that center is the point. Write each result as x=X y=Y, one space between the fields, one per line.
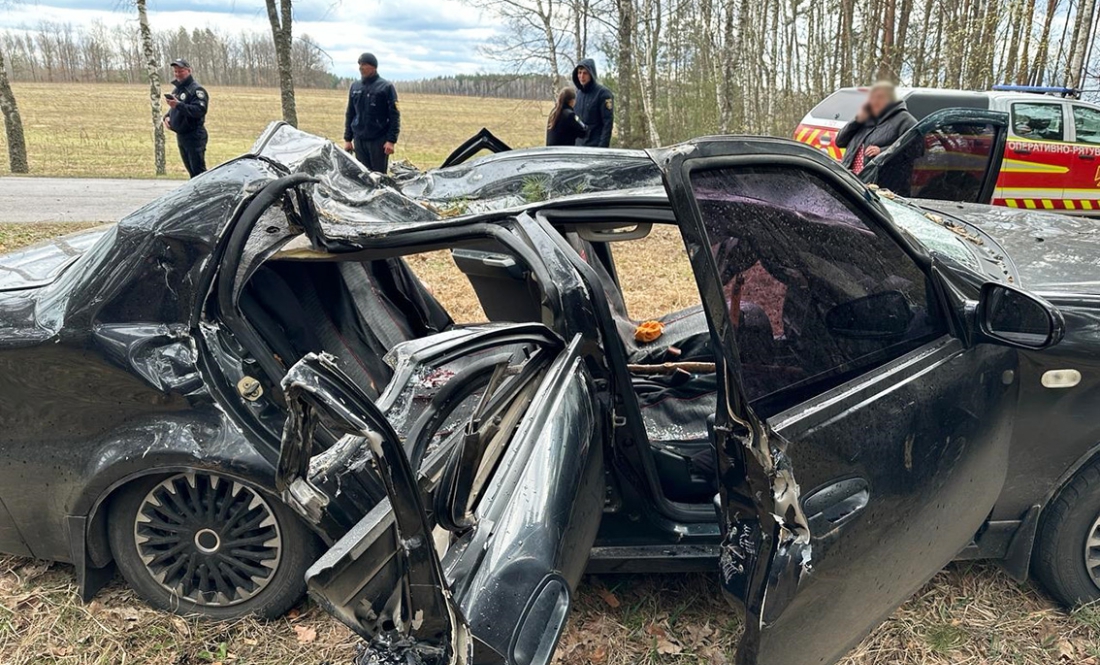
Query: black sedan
x=246 y=373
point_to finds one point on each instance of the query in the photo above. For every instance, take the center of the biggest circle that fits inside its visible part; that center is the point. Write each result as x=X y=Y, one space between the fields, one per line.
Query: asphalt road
x=29 y=199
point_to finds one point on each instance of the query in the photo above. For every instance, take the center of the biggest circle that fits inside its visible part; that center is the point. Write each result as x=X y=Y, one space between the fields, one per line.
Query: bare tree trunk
x=153 y=70
x=282 y=35
x=1012 y=54
x=624 y=97
x=546 y=15
x=1022 y=71
x=580 y=10
x=1038 y=67
x=13 y=123
x=887 y=57
x=1078 y=62
x=727 y=64
x=647 y=80
x=900 y=42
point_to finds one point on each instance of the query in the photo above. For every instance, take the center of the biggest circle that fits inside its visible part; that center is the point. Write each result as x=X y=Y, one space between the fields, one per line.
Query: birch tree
x=152 y=68
x=280 y=16
x=13 y=122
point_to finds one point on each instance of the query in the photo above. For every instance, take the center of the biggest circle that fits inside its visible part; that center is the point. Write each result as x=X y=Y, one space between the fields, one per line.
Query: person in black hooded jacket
x=595 y=105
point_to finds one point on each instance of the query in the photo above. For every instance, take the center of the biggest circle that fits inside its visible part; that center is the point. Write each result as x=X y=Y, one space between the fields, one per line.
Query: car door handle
x=1021 y=151
x=1088 y=157
x=830 y=507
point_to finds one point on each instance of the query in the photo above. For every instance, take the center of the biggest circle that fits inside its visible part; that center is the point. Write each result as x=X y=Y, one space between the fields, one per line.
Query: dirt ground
x=971 y=613
x=62 y=139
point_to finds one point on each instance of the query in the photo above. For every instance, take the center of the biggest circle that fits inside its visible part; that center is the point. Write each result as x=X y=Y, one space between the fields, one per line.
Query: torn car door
x=866 y=447
x=952 y=155
x=472 y=557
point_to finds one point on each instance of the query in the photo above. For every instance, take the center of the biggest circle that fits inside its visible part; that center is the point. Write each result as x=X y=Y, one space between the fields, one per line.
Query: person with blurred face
x=881 y=120
x=187 y=106
x=372 y=121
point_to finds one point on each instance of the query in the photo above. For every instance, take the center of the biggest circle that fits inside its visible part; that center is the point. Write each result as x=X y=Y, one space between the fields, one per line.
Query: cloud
x=412 y=38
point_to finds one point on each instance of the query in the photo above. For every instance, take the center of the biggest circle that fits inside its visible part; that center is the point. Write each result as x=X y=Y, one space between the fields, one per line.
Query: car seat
x=356 y=311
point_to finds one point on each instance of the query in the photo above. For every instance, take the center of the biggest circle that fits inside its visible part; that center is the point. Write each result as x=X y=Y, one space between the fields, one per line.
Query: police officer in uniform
x=187 y=105
x=595 y=105
x=372 y=121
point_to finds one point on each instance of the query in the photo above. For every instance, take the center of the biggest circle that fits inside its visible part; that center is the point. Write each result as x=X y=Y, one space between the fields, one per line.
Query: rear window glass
x=841 y=105
x=923 y=104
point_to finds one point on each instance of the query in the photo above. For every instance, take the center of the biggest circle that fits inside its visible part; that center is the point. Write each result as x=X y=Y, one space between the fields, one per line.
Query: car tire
x=1067 y=548
x=196 y=543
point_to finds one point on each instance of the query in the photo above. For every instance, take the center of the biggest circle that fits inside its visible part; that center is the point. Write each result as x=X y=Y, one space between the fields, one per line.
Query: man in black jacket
x=372 y=121
x=187 y=106
x=881 y=120
x=595 y=105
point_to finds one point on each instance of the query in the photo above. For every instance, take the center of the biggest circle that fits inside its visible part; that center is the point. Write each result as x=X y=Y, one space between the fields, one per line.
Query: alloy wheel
x=212 y=541
x=1092 y=551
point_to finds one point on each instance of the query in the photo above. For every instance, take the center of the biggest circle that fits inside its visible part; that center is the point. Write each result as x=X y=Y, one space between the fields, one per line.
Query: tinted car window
x=1087 y=123
x=922 y=104
x=949 y=163
x=816 y=294
x=1037 y=121
x=841 y=105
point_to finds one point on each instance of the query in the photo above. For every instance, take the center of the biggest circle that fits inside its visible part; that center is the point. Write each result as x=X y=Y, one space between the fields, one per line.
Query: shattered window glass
x=1038 y=121
x=932 y=235
x=815 y=294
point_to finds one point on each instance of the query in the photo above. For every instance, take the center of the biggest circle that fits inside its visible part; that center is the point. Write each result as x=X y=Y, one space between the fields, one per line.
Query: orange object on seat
x=649 y=331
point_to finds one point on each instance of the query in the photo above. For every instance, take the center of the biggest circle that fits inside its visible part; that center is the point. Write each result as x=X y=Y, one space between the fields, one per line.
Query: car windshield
x=934 y=236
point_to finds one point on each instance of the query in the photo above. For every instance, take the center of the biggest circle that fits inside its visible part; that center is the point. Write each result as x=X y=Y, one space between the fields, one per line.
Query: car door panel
x=497 y=590
x=910 y=445
x=951 y=155
x=1037 y=161
x=1083 y=180
x=926 y=431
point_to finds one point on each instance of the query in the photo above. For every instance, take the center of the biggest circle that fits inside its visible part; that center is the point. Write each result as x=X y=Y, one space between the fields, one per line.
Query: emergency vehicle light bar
x=1039 y=89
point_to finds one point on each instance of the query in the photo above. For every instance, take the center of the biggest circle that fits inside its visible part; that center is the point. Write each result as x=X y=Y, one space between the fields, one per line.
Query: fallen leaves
x=305 y=634
x=608 y=597
x=664 y=644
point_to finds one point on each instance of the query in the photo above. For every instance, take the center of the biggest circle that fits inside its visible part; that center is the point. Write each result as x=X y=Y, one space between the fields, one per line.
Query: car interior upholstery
x=355 y=310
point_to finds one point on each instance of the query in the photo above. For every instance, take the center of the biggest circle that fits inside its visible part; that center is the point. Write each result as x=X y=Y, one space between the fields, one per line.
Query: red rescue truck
x=1052 y=156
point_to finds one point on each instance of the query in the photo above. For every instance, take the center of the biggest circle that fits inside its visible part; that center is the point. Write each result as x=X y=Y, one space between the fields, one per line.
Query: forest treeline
x=683 y=68
x=679 y=68
x=61 y=53
x=510 y=86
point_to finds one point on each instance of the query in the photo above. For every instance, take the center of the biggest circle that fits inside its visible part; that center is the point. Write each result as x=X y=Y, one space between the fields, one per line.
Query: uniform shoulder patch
x=200 y=93
x=608 y=103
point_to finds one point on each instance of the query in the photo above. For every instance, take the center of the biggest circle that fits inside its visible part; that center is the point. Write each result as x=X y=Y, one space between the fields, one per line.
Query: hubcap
x=212 y=541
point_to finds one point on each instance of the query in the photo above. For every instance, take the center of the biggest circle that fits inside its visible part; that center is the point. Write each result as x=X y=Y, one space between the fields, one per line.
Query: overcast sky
x=412 y=38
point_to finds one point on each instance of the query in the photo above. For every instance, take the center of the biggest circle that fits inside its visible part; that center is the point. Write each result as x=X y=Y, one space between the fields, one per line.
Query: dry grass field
x=105 y=131
x=970 y=614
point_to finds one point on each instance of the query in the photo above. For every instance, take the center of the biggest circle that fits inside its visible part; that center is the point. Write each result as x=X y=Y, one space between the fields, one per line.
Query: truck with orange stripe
x=1051 y=159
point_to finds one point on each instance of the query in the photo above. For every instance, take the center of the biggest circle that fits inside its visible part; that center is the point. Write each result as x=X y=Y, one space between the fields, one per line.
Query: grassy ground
x=63 y=140
x=969 y=614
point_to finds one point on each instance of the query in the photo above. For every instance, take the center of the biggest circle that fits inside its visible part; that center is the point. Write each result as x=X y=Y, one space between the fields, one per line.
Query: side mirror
x=1017 y=318
x=877 y=316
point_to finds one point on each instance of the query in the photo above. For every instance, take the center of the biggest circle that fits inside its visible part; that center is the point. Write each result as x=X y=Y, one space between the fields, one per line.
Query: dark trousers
x=371 y=153
x=192 y=147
